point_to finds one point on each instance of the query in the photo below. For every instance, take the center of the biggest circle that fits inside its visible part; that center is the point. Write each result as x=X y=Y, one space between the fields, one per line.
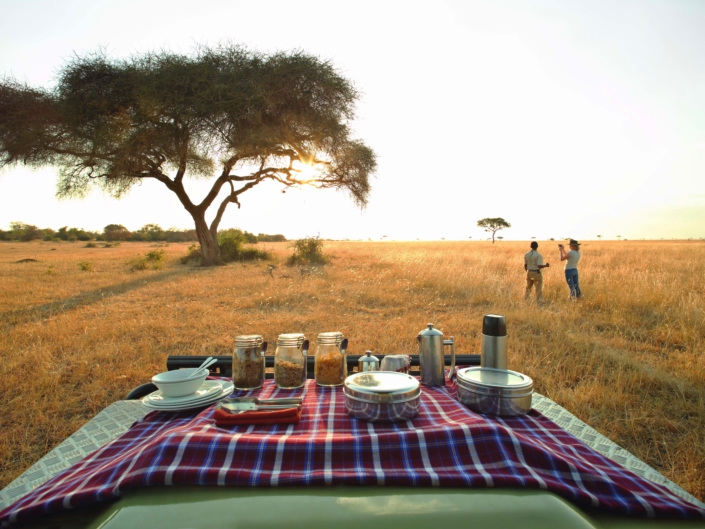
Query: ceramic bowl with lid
x=382 y=396
x=495 y=391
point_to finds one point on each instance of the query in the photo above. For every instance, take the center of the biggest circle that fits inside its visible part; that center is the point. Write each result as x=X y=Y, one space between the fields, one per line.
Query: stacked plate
x=210 y=391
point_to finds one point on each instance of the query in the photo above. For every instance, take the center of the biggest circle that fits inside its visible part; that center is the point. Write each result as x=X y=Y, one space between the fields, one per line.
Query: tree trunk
x=209 y=243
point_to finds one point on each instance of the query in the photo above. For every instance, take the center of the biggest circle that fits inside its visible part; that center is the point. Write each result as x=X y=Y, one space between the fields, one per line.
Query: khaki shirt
x=532 y=260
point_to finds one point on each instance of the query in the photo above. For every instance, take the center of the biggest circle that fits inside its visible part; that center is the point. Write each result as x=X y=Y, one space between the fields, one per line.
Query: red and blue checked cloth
x=445 y=446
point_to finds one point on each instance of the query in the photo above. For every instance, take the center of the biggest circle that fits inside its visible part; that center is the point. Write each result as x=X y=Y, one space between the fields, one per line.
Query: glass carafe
x=248 y=361
x=290 y=361
x=331 y=367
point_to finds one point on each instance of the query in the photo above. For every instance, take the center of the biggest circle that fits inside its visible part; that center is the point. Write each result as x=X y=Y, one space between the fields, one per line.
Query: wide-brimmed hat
x=573 y=242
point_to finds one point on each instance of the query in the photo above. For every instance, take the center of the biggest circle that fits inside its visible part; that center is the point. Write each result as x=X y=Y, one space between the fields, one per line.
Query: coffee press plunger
x=431 y=357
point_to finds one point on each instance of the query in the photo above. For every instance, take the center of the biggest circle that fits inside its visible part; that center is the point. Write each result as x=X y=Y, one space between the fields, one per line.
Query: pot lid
x=382 y=386
x=488 y=380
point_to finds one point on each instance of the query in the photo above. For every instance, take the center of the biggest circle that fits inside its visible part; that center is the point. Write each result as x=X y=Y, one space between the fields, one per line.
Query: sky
x=566 y=118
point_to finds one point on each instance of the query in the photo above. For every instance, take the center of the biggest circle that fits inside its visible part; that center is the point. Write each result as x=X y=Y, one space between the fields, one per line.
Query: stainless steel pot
x=382 y=396
x=495 y=391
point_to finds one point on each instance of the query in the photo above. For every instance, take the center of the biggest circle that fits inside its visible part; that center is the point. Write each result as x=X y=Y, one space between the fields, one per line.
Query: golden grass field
x=629 y=358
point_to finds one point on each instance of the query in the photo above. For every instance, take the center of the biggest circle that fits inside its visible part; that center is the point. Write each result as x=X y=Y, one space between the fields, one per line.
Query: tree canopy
x=233 y=115
x=493 y=225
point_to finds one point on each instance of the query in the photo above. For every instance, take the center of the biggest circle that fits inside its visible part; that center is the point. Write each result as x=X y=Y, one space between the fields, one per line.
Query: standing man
x=533 y=263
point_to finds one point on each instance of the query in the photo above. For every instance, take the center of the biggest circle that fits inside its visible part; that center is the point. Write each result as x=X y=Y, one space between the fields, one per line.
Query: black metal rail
x=224 y=365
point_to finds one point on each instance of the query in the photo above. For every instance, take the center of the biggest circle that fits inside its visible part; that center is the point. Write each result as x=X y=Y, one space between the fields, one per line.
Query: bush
x=156 y=256
x=232 y=243
x=91 y=245
x=307 y=251
x=153 y=259
x=85 y=266
x=232 y=246
x=193 y=252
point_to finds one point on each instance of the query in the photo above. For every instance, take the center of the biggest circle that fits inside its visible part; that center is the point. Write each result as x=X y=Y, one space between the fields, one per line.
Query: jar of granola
x=248 y=361
x=290 y=361
x=331 y=367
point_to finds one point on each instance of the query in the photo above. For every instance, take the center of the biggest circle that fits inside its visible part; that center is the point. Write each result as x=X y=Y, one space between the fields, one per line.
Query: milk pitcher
x=431 y=357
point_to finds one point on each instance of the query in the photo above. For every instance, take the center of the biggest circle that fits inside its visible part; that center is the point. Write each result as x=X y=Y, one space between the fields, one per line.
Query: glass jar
x=290 y=361
x=331 y=367
x=248 y=361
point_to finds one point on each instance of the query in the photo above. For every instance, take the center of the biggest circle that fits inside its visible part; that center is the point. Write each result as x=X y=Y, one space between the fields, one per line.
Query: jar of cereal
x=290 y=361
x=248 y=361
x=331 y=366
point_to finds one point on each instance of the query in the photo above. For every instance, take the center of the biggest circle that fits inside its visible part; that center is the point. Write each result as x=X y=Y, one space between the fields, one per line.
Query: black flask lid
x=494 y=325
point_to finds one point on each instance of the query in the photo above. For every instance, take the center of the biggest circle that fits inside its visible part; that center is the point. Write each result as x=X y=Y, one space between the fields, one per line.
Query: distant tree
x=551 y=239
x=48 y=234
x=227 y=113
x=599 y=237
x=19 y=231
x=150 y=232
x=116 y=232
x=619 y=236
x=263 y=237
x=493 y=225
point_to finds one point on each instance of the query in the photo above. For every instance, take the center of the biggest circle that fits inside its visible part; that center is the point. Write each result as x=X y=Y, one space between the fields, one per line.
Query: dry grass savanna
x=80 y=328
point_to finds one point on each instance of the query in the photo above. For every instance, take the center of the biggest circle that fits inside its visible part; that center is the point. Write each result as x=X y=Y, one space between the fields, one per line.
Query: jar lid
x=248 y=340
x=330 y=337
x=491 y=381
x=295 y=338
x=381 y=387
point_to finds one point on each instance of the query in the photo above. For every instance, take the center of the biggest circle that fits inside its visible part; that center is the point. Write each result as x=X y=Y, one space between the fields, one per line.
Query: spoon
x=207 y=362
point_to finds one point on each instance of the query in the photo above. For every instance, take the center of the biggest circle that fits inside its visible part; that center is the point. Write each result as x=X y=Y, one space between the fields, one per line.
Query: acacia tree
x=493 y=225
x=227 y=113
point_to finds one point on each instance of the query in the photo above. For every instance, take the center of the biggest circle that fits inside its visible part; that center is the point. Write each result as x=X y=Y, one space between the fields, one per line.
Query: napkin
x=285 y=416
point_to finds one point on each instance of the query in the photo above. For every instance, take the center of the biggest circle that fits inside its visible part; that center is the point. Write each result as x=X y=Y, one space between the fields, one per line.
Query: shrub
x=91 y=245
x=153 y=259
x=193 y=252
x=307 y=251
x=85 y=266
x=232 y=246
x=156 y=256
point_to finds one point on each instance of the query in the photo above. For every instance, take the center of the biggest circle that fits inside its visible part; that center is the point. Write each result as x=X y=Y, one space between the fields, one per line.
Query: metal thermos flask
x=431 y=357
x=494 y=342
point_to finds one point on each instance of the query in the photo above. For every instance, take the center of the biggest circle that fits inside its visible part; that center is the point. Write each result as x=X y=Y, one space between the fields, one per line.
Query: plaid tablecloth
x=445 y=446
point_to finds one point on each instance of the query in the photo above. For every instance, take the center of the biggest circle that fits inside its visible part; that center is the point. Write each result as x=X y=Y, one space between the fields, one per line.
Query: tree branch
x=232 y=197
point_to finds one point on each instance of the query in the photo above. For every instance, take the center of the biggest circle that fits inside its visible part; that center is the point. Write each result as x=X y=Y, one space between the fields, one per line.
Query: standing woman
x=571 y=267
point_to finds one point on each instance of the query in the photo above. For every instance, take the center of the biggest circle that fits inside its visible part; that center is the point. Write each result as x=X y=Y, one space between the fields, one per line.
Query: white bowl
x=174 y=383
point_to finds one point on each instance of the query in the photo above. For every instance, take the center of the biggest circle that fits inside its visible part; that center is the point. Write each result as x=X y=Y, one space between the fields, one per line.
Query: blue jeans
x=571 y=276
